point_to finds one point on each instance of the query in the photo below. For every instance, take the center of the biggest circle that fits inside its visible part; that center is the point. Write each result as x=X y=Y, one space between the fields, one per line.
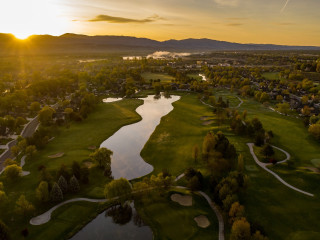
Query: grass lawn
x=281 y=212
x=169 y=220
x=164 y=78
x=278 y=155
x=74 y=142
x=170 y=145
x=67 y=220
x=195 y=76
x=271 y=75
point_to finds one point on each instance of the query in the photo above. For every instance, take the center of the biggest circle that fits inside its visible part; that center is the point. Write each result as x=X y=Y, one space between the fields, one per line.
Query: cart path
x=264 y=166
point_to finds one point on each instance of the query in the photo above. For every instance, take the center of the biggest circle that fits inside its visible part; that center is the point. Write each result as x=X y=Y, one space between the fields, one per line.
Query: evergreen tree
x=56 y=194
x=63 y=184
x=74 y=185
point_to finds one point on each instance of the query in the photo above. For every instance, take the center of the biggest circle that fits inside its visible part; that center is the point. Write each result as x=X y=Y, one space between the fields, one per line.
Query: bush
x=4 y=231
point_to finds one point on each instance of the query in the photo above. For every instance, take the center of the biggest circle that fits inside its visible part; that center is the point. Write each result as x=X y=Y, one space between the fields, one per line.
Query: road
x=29 y=129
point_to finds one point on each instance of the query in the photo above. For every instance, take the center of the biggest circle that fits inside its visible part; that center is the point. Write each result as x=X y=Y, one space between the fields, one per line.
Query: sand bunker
x=92 y=148
x=183 y=200
x=204 y=118
x=202 y=221
x=57 y=155
x=312 y=169
x=207 y=122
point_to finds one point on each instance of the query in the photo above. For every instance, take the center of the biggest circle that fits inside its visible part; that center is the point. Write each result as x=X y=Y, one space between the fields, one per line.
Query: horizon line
x=172 y=39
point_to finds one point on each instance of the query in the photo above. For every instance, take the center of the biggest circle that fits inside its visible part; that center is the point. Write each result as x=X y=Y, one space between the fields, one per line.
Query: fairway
x=106 y=119
x=165 y=217
x=164 y=78
x=269 y=204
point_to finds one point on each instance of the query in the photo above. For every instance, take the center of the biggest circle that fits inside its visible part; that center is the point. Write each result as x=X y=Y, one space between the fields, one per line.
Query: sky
x=288 y=22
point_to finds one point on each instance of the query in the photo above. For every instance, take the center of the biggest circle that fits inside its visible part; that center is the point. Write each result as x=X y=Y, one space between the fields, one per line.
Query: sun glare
x=24 y=18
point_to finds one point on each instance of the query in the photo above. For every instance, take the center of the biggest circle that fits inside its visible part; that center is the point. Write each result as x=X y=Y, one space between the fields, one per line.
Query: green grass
x=74 y=142
x=169 y=220
x=271 y=75
x=281 y=212
x=164 y=78
x=170 y=145
x=195 y=76
x=278 y=155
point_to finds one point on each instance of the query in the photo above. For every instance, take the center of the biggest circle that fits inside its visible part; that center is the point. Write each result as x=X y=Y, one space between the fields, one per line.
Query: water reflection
x=128 y=142
x=116 y=223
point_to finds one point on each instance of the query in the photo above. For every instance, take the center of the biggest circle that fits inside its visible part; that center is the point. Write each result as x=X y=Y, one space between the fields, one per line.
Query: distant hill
x=73 y=43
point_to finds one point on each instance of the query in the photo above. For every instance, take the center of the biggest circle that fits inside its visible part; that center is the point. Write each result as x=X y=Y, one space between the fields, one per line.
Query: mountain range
x=74 y=43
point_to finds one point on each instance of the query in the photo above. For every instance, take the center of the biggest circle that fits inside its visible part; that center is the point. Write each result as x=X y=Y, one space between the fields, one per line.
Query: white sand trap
x=207 y=122
x=57 y=155
x=202 y=221
x=183 y=200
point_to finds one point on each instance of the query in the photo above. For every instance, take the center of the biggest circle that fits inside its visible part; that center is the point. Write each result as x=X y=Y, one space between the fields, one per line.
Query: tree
x=42 y=192
x=4 y=231
x=194 y=184
x=244 y=114
x=15 y=150
x=240 y=230
x=3 y=197
x=76 y=169
x=264 y=97
x=23 y=206
x=118 y=188
x=74 y=185
x=31 y=150
x=45 y=115
x=9 y=162
x=240 y=163
x=314 y=129
x=306 y=111
x=267 y=150
x=304 y=99
x=12 y=172
x=63 y=184
x=56 y=194
x=283 y=108
x=236 y=212
x=85 y=174
x=258 y=236
x=102 y=156
x=279 y=98
x=35 y=107
x=195 y=152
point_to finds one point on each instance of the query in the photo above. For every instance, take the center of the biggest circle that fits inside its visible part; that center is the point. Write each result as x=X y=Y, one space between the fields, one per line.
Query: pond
x=128 y=142
x=116 y=223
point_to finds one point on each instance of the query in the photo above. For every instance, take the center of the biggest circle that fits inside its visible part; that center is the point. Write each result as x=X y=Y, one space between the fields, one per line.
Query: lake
x=116 y=223
x=128 y=141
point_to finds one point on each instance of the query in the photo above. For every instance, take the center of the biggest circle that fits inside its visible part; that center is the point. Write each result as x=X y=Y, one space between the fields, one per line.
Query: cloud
x=112 y=19
x=285 y=24
x=234 y=24
x=228 y=3
x=285 y=5
x=237 y=19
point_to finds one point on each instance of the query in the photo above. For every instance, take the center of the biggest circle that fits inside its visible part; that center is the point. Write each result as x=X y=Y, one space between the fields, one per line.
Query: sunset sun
x=25 y=18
